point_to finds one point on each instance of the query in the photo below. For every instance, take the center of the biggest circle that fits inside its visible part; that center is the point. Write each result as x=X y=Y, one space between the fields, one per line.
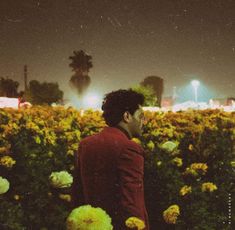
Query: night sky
x=178 y=40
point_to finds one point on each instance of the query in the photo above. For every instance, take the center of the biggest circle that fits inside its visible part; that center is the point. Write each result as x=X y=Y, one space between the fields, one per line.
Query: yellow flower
x=199 y=166
x=196 y=168
x=50 y=154
x=136 y=140
x=208 y=187
x=178 y=161
x=74 y=146
x=32 y=126
x=185 y=190
x=87 y=217
x=134 y=222
x=171 y=214
x=232 y=163
x=150 y=145
x=37 y=139
x=70 y=152
x=7 y=161
x=159 y=163
x=16 y=197
x=190 y=147
x=4 y=150
x=65 y=197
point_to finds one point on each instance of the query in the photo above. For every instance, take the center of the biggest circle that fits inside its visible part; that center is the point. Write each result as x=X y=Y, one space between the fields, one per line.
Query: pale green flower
x=88 y=218
x=169 y=146
x=4 y=185
x=61 y=179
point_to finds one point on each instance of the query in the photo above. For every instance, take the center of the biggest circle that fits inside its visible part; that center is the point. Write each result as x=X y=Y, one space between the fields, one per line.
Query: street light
x=195 y=84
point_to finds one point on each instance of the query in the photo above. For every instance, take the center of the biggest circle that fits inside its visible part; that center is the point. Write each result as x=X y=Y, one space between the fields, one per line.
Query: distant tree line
x=37 y=93
x=48 y=92
x=8 y=87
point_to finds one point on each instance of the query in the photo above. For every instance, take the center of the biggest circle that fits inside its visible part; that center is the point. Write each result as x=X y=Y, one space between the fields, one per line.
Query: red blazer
x=109 y=170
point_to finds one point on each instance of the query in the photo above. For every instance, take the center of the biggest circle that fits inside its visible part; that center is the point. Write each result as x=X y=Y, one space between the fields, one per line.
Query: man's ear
x=127 y=117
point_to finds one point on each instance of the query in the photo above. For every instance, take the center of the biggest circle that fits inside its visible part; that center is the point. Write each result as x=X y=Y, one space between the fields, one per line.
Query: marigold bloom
x=70 y=152
x=16 y=197
x=185 y=190
x=136 y=140
x=4 y=150
x=159 y=163
x=232 y=163
x=88 y=218
x=178 y=161
x=196 y=168
x=65 y=197
x=199 y=166
x=208 y=187
x=150 y=145
x=135 y=222
x=190 y=147
x=50 y=154
x=7 y=161
x=171 y=214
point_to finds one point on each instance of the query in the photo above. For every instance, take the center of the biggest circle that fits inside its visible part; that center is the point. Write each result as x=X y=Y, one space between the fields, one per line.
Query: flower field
x=189 y=167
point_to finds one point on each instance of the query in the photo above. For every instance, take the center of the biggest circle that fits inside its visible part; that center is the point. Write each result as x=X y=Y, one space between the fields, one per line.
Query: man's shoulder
x=89 y=139
x=101 y=138
x=115 y=139
x=132 y=146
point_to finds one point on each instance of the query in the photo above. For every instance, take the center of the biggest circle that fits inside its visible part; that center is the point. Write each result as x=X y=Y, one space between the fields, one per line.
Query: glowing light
x=92 y=100
x=195 y=84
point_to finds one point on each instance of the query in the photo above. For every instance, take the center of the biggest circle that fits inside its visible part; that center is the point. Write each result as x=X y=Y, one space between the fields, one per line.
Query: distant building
x=6 y=102
x=218 y=101
x=230 y=101
x=15 y=103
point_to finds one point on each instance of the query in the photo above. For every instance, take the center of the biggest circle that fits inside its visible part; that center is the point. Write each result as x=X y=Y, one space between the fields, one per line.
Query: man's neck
x=124 y=130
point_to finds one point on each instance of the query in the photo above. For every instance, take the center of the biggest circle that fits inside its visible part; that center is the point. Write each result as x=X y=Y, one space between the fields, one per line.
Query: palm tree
x=81 y=64
x=80 y=83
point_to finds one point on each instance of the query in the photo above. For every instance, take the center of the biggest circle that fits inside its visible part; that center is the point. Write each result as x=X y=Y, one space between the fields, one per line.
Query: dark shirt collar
x=124 y=131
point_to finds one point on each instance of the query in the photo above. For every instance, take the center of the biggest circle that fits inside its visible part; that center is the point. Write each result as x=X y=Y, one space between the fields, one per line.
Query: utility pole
x=25 y=78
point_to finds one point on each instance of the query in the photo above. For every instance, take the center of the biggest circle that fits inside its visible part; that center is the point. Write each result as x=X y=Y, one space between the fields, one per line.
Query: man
x=109 y=166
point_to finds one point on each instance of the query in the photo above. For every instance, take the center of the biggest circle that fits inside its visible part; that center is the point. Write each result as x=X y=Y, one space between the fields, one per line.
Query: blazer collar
x=118 y=130
x=124 y=131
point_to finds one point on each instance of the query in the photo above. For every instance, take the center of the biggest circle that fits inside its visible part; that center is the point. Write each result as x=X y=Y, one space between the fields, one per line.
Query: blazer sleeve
x=131 y=171
x=77 y=190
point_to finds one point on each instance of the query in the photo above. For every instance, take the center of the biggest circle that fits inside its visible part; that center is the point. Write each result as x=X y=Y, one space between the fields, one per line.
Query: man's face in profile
x=137 y=122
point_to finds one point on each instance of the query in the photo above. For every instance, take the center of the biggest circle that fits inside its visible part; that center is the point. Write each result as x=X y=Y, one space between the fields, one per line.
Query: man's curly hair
x=117 y=102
